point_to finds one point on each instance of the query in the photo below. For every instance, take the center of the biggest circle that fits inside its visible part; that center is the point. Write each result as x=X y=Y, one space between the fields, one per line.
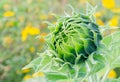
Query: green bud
x=74 y=36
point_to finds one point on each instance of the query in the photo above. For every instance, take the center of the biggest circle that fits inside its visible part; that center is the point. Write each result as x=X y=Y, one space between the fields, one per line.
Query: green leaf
x=113 y=80
x=82 y=71
x=90 y=11
x=66 y=80
x=112 y=43
x=112 y=38
x=45 y=63
x=107 y=40
x=95 y=63
x=54 y=76
x=40 y=62
x=35 y=62
x=89 y=46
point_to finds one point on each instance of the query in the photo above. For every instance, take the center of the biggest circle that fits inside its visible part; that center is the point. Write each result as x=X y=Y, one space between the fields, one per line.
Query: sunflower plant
x=78 y=51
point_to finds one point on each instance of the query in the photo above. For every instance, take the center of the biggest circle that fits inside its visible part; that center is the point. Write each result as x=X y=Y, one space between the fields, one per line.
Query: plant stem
x=95 y=78
x=90 y=79
x=105 y=75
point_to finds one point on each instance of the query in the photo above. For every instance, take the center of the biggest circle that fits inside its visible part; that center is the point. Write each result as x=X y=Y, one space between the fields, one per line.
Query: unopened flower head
x=74 y=37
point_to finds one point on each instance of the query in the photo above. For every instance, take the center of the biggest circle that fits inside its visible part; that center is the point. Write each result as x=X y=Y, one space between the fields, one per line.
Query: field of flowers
x=22 y=22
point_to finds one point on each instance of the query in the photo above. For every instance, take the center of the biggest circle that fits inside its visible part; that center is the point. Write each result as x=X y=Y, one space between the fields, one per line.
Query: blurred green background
x=22 y=21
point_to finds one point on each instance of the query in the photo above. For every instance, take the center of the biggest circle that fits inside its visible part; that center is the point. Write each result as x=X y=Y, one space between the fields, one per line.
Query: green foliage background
x=15 y=53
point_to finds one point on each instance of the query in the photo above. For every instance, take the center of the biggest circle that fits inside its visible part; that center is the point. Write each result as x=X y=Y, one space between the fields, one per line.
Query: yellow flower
x=112 y=74
x=24 y=34
x=116 y=10
x=43 y=17
x=100 y=22
x=7 y=40
x=32 y=49
x=29 y=30
x=33 y=30
x=38 y=74
x=99 y=14
x=9 y=14
x=25 y=70
x=27 y=77
x=109 y=4
x=114 y=21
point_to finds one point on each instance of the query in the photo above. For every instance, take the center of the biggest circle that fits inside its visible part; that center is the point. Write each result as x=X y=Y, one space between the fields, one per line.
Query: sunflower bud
x=74 y=36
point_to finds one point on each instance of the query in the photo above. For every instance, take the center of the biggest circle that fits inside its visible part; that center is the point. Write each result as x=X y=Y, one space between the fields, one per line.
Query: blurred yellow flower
x=7 y=40
x=100 y=22
x=33 y=30
x=24 y=34
x=26 y=70
x=27 y=77
x=32 y=49
x=9 y=14
x=109 y=4
x=38 y=74
x=99 y=14
x=29 y=30
x=112 y=74
x=114 y=21
x=116 y=10
x=43 y=17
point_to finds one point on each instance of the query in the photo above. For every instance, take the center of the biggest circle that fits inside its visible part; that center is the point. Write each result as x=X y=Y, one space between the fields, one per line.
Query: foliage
x=22 y=20
x=58 y=62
